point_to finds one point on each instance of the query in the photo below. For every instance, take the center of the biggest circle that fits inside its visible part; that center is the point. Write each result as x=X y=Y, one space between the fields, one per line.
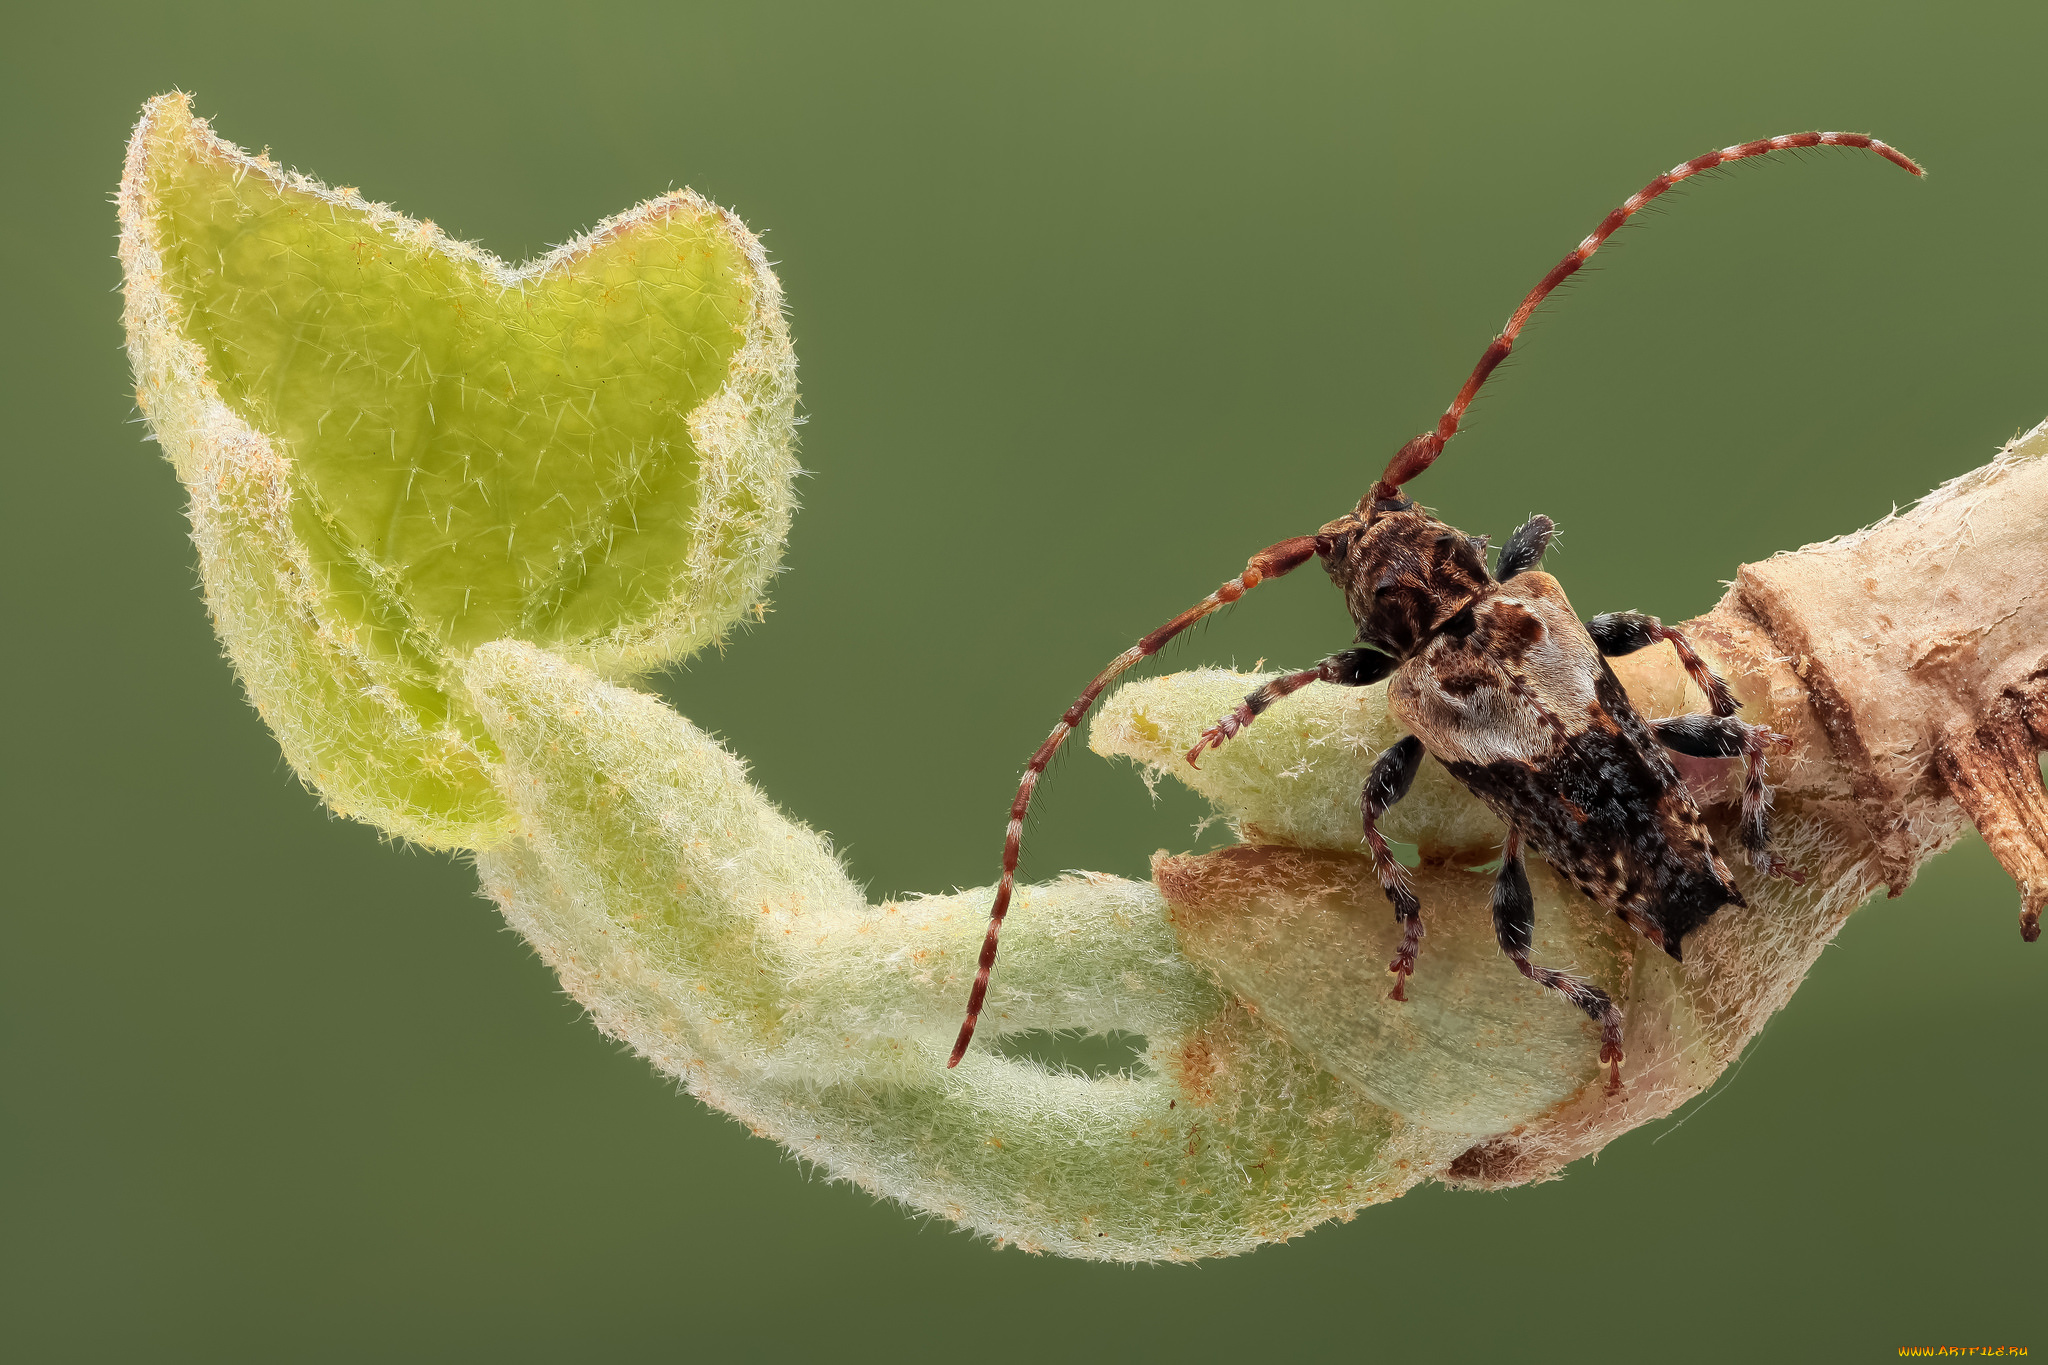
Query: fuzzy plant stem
x=1280 y=1086
x=446 y=509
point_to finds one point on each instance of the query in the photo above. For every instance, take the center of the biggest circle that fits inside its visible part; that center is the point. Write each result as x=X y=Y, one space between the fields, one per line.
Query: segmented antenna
x=1267 y=564
x=1420 y=453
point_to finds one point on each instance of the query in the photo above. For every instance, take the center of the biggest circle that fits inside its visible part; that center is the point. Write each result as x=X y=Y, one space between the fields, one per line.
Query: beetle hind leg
x=1388 y=782
x=1756 y=814
x=1726 y=737
x=1514 y=925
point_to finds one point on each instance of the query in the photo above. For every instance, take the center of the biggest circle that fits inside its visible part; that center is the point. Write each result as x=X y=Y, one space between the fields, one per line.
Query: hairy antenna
x=1270 y=562
x=1420 y=453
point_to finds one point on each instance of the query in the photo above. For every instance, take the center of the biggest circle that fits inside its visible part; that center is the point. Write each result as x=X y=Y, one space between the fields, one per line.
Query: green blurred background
x=1091 y=302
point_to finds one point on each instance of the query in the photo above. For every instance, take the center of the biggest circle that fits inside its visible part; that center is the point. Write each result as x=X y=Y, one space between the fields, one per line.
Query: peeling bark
x=1922 y=644
x=1908 y=662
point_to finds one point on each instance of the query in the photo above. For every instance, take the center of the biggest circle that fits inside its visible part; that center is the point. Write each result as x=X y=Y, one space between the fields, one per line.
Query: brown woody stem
x=1921 y=647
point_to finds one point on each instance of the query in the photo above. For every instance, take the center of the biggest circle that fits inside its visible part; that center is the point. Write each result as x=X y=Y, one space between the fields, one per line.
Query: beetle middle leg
x=1726 y=737
x=1618 y=633
x=1514 y=925
x=1387 y=783
x=1352 y=668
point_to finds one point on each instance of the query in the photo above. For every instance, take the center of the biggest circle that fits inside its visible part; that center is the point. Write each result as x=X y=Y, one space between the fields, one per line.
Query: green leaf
x=401 y=448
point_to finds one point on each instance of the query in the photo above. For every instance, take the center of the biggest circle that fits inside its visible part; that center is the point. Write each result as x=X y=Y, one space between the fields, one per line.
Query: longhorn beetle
x=1495 y=677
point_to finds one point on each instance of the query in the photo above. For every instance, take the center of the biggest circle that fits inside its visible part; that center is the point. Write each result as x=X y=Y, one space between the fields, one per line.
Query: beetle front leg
x=1618 y=633
x=1524 y=550
x=1386 y=784
x=1514 y=925
x=1352 y=668
x=1726 y=737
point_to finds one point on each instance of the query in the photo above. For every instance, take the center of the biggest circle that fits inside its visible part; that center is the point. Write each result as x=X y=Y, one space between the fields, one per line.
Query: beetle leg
x=1616 y=633
x=1514 y=925
x=1726 y=737
x=1386 y=784
x=1352 y=668
x=1524 y=550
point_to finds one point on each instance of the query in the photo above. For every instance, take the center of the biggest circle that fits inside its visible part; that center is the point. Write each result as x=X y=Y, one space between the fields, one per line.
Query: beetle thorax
x=1403 y=573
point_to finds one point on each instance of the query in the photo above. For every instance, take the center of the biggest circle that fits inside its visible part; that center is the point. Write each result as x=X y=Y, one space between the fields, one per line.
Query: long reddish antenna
x=1269 y=563
x=1420 y=453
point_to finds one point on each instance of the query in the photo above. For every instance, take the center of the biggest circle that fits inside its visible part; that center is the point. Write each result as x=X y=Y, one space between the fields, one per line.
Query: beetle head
x=1404 y=574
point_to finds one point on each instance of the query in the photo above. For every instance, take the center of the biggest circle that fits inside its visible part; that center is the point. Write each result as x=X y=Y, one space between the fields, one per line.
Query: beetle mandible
x=1496 y=678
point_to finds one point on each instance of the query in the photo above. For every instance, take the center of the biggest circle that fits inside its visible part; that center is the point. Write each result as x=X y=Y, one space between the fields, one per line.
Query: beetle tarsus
x=1215 y=735
x=1403 y=965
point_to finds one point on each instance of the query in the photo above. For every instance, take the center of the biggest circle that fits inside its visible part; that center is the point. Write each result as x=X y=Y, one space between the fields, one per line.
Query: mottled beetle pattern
x=1494 y=676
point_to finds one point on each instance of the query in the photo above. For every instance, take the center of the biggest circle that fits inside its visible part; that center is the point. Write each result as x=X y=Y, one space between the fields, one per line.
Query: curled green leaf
x=399 y=448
